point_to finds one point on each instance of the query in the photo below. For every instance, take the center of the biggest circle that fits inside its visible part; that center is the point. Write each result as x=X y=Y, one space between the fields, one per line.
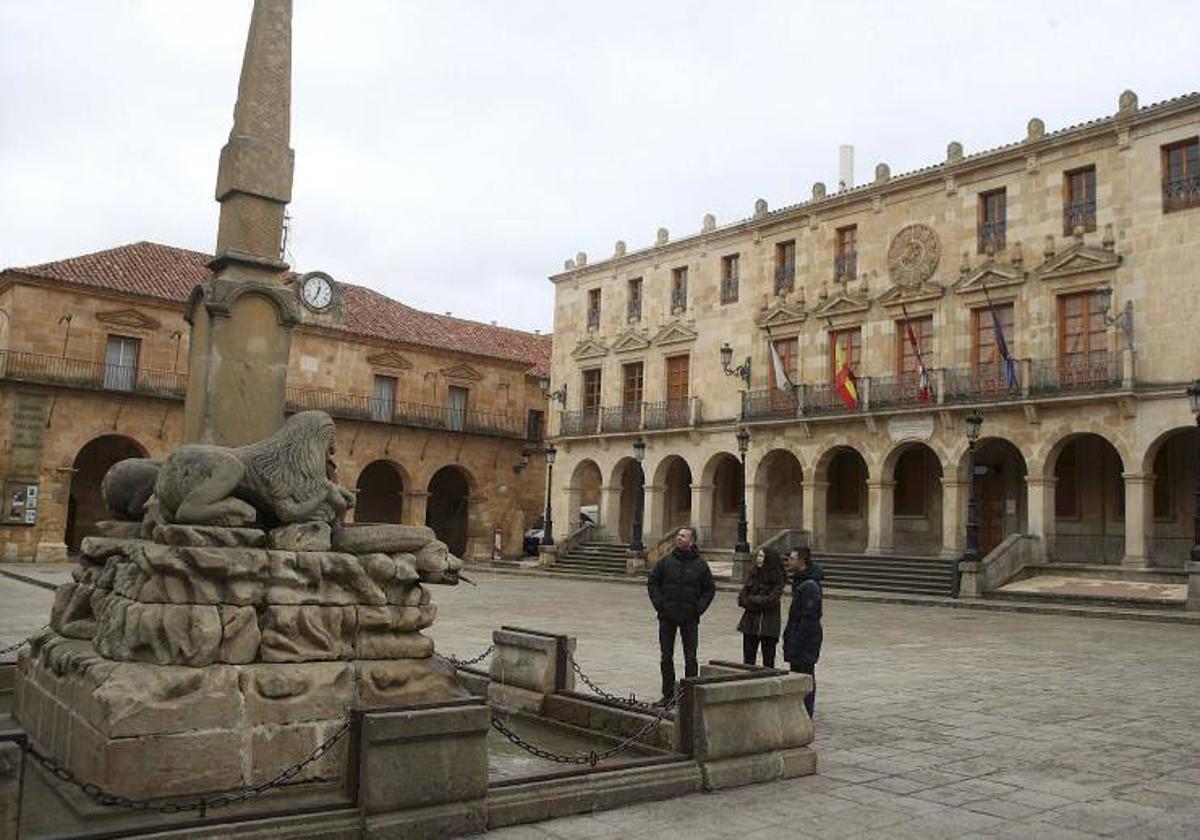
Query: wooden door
x=677 y=389
x=990 y=496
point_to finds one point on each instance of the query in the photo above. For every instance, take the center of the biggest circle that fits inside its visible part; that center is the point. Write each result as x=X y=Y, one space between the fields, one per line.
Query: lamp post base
x=741 y=565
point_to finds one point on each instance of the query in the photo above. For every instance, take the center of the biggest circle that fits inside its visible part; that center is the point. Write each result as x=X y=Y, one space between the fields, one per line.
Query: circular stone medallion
x=913 y=255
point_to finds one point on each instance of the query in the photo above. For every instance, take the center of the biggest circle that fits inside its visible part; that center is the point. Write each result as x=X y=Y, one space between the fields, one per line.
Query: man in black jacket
x=681 y=587
x=802 y=636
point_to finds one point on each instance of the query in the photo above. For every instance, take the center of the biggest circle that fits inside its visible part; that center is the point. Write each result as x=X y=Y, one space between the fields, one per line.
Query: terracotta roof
x=168 y=273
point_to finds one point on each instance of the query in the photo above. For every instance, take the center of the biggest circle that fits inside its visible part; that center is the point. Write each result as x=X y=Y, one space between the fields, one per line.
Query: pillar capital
x=1137 y=477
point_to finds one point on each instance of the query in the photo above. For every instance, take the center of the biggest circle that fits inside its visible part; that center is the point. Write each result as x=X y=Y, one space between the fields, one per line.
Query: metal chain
x=591 y=758
x=203 y=803
x=459 y=663
x=21 y=643
x=631 y=702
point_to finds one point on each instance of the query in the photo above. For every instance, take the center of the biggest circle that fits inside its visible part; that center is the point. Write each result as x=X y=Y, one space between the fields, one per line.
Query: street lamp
x=743 y=441
x=1193 y=393
x=548 y=523
x=639 y=499
x=1123 y=319
x=974 y=422
x=742 y=370
x=560 y=394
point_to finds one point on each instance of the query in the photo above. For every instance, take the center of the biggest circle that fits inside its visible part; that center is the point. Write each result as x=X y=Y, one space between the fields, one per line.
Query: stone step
x=889 y=573
x=1081 y=601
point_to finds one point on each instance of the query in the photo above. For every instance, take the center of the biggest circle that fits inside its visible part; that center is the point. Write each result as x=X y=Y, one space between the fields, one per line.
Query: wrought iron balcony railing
x=984 y=382
x=1166 y=551
x=678 y=300
x=1181 y=193
x=770 y=404
x=633 y=310
x=583 y=421
x=1079 y=214
x=785 y=279
x=991 y=236
x=593 y=318
x=419 y=415
x=93 y=376
x=670 y=414
x=1097 y=371
x=621 y=418
x=845 y=266
x=729 y=289
x=902 y=389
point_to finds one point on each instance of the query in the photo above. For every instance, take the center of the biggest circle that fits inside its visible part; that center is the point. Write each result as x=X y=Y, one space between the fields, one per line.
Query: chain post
x=562 y=654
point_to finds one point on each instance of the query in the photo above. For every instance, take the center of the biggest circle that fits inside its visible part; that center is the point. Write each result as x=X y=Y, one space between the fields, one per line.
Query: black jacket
x=802 y=636
x=681 y=587
x=760 y=601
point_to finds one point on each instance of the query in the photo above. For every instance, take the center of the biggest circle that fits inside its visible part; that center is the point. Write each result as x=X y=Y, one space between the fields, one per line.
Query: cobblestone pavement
x=930 y=722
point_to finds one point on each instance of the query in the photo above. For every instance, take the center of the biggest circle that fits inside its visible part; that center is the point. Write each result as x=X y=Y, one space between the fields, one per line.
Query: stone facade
x=67 y=416
x=1088 y=445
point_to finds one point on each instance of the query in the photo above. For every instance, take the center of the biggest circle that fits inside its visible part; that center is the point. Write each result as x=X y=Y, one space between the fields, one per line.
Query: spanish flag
x=843 y=380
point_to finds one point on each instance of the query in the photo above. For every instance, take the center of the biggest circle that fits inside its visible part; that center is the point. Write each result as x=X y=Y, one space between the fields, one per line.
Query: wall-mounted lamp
x=560 y=394
x=742 y=370
x=1122 y=319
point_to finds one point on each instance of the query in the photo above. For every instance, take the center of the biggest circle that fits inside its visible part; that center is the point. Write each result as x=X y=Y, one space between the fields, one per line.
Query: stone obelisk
x=242 y=318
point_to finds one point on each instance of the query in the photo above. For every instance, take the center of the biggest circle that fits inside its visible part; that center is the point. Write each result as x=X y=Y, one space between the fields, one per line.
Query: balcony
x=91 y=376
x=845 y=267
x=621 y=418
x=785 y=279
x=580 y=422
x=729 y=289
x=1181 y=193
x=631 y=417
x=990 y=236
x=633 y=310
x=1080 y=214
x=678 y=300
x=416 y=415
x=593 y=319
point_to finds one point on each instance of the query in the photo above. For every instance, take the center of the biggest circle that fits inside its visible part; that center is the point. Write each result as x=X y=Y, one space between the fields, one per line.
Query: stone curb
x=1028 y=607
x=44 y=584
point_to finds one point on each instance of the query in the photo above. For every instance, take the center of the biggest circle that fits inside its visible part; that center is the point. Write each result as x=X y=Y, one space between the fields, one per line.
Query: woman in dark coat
x=759 y=600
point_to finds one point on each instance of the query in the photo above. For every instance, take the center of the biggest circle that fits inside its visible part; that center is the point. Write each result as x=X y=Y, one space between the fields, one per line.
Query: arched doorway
x=780 y=485
x=674 y=476
x=1000 y=497
x=846 y=501
x=726 y=481
x=447 y=509
x=916 y=499
x=1170 y=526
x=583 y=495
x=380 y=493
x=85 y=507
x=1089 y=502
x=628 y=476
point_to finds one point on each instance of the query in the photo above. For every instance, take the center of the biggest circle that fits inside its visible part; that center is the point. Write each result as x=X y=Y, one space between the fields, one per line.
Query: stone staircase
x=593 y=558
x=889 y=573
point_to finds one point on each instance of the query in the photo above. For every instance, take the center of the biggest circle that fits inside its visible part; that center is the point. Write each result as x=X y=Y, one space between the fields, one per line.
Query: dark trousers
x=690 y=633
x=810 y=699
x=751 y=644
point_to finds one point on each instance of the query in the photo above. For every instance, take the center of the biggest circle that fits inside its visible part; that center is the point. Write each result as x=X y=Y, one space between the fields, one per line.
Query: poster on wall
x=20 y=502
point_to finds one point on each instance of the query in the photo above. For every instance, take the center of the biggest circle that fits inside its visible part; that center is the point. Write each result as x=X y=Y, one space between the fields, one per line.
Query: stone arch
x=448 y=507
x=779 y=494
x=381 y=486
x=717 y=519
x=1001 y=497
x=844 y=471
x=583 y=491
x=1170 y=463
x=1088 y=499
x=85 y=507
x=673 y=497
x=914 y=471
x=628 y=476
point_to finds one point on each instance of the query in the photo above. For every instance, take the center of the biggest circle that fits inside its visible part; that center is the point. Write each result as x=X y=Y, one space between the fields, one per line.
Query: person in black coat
x=759 y=599
x=802 y=636
x=680 y=587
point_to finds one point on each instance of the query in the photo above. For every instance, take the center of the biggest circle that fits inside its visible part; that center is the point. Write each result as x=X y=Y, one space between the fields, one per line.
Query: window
x=1079 y=200
x=535 y=425
x=631 y=384
x=633 y=306
x=1082 y=339
x=851 y=343
x=788 y=350
x=591 y=389
x=986 y=362
x=785 y=266
x=912 y=483
x=120 y=362
x=1181 y=175
x=593 y=310
x=906 y=354
x=677 y=391
x=990 y=227
x=729 y=279
x=845 y=263
x=679 y=278
x=456 y=408
x=383 y=399
x=1066 y=484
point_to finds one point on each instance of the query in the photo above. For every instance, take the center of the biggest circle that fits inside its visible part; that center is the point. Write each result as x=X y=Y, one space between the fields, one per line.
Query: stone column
x=954 y=516
x=1139 y=502
x=610 y=510
x=756 y=508
x=814 y=509
x=702 y=508
x=414 y=507
x=1040 y=508
x=653 y=523
x=879 y=516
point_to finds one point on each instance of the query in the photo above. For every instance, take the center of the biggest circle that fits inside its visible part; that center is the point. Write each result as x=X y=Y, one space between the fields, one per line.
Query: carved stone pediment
x=1080 y=258
x=675 y=332
x=782 y=314
x=630 y=341
x=129 y=319
x=389 y=359
x=589 y=348
x=461 y=371
x=902 y=295
x=990 y=275
x=842 y=302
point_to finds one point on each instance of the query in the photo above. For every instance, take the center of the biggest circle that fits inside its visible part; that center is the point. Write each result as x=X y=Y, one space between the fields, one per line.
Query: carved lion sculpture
x=285 y=477
x=127 y=486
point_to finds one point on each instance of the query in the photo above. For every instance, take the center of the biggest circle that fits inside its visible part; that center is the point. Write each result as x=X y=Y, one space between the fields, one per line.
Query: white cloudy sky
x=453 y=154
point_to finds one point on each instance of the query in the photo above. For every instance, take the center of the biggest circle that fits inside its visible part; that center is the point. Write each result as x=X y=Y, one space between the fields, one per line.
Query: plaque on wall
x=910 y=428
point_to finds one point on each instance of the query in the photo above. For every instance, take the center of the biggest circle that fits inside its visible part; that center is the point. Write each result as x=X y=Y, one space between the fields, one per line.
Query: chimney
x=845 y=167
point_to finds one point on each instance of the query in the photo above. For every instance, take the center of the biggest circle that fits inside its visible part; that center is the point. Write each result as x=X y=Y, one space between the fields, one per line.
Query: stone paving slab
x=1080 y=587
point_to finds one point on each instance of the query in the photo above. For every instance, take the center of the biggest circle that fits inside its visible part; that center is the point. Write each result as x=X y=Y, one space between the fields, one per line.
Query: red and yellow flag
x=843 y=379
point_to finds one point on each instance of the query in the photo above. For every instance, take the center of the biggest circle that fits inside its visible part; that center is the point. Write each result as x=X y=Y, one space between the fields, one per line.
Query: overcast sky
x=453 y=154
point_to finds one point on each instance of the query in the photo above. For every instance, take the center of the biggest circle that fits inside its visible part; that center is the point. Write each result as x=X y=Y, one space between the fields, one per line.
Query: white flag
x=781 y=378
